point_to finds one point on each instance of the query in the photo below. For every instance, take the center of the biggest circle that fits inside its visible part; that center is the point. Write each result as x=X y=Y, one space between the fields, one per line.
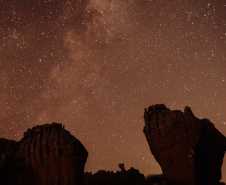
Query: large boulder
x=190 y=151
x=48 y=153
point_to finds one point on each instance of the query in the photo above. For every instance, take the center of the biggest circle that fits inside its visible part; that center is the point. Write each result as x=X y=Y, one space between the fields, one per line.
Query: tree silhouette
x=122 y=166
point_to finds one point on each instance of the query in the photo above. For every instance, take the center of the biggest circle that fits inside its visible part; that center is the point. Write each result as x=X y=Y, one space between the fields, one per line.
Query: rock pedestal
x=190 y=151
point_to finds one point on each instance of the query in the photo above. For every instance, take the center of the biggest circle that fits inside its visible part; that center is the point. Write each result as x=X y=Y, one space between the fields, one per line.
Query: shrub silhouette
x=155 y=180
x=122 y=177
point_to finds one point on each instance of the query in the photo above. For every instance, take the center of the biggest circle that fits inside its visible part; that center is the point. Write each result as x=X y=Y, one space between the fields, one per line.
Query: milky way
x=94 y=65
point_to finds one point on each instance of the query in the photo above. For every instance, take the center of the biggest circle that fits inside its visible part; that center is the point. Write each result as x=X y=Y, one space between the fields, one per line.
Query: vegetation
x=155 y=180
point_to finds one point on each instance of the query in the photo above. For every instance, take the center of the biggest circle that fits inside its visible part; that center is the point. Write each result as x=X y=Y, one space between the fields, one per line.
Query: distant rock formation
x=123 y=177
x=47 y=155
x=190 y=151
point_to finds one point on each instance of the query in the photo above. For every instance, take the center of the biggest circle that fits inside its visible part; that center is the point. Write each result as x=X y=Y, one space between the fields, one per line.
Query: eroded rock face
x=50 y=154
x=190 y=151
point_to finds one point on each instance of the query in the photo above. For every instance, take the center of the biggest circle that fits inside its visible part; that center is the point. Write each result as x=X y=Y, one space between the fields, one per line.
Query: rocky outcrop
x=123 y=177
x=48 y=153
x=190 y=151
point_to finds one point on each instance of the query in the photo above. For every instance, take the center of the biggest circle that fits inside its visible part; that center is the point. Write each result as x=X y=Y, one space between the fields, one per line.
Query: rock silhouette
x=190 y=151
x=122 y=177
x=47 y=155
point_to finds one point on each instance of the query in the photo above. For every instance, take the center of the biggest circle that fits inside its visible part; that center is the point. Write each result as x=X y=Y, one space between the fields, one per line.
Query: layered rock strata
x=49 y=153
x=190 y=151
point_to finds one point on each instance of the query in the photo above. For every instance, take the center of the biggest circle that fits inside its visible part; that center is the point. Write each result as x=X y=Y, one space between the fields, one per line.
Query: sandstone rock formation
x=190 y=151
x=49 y=153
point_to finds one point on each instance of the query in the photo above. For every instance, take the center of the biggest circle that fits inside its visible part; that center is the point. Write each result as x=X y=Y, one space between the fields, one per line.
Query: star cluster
x=94 y=65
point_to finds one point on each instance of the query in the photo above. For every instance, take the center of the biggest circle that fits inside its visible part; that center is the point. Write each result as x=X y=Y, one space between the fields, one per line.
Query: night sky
x=94 y=65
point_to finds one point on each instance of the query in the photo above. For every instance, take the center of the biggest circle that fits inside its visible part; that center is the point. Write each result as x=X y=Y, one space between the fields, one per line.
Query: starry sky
x=94 y=65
